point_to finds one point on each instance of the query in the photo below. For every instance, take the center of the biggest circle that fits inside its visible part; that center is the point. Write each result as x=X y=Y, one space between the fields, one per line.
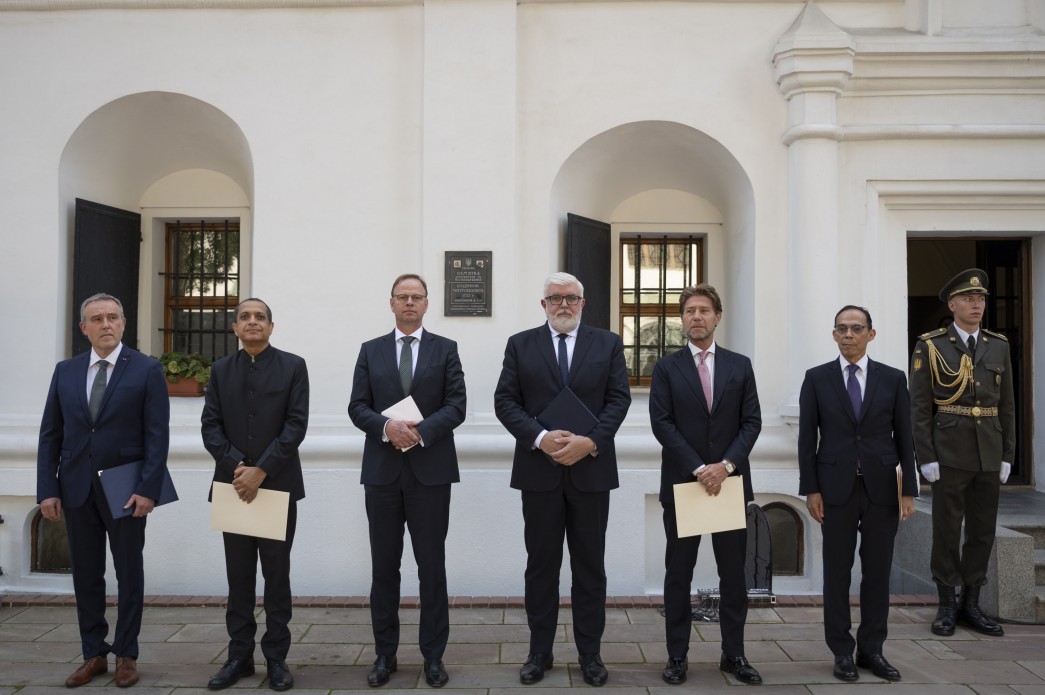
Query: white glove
x=931 y=471
x=1003 y=474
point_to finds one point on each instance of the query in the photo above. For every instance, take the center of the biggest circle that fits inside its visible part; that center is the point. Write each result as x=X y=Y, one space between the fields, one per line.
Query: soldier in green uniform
x=964 y=422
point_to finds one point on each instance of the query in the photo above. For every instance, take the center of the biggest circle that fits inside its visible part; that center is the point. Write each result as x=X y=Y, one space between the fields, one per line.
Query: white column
x=814 y=60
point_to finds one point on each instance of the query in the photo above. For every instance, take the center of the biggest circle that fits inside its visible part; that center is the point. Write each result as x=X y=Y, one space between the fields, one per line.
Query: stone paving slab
x=1035 y=667
x=26 y=632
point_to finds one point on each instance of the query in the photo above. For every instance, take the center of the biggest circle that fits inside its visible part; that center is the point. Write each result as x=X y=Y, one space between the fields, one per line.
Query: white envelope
x=406 y=410
x=698 y=513
x=265 y=517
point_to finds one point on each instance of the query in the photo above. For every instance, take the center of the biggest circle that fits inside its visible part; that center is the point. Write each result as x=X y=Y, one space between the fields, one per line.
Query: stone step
x=1039 y=608
x=1039 y=566
x=1034 y=530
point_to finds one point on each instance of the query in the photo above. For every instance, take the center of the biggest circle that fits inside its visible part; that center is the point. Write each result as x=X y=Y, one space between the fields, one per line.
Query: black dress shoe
x=280 y=677
x=435 y=673
x=593 y=670
x=533 y=670
x=878 y=665
x=845 y=668
x=739 y=667
x=384 y=666
x=675 y=672
x=231 y=672
x=970 y=615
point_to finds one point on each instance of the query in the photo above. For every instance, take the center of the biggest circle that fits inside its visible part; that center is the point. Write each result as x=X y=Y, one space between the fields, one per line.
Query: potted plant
x=187 y=373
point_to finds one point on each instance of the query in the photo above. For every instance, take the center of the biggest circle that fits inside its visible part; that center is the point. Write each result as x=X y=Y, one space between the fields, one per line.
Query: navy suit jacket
x=689 y=434
x=133 y=425
x=437 y=389
x=831 y=439
x=530 y=380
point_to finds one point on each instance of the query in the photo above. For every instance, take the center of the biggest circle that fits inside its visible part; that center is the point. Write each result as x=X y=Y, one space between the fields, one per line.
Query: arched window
x=785 y=525
x=50 y=546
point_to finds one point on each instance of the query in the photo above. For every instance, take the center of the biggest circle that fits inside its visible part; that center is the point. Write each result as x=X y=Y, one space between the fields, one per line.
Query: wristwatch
x=729 y=466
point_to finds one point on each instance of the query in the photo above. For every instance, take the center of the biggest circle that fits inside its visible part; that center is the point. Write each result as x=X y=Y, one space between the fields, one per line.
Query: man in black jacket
x=254 y=419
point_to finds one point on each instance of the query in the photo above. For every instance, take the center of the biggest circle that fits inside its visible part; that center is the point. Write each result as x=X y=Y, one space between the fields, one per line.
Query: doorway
x=932 y=262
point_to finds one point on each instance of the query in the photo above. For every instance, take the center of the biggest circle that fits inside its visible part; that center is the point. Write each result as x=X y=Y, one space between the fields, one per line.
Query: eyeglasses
x=856 y=329
x=404 y=298
x=570 y=299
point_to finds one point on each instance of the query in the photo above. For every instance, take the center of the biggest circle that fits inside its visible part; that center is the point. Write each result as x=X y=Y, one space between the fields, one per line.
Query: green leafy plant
x=186 y=365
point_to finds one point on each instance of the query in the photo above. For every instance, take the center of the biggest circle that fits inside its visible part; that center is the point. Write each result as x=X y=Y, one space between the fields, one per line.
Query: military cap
x=971 y=281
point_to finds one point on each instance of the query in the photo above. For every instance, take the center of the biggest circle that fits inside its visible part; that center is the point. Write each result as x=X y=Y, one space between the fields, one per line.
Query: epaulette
x=932 y=334
x=999 y=336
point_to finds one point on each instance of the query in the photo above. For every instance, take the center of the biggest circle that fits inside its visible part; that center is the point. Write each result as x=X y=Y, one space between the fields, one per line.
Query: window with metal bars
x=653 y=272
x=201 y=286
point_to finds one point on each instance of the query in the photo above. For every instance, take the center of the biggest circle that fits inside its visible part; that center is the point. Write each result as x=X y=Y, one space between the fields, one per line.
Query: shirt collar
x=416 y=334
x=572 y=334
x=111 y=359
x=694 y=350
x=860 y=363
x=965 y=336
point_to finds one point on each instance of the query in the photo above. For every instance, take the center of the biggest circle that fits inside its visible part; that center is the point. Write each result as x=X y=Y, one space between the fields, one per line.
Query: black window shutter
x=588 y=257
x=106 y=249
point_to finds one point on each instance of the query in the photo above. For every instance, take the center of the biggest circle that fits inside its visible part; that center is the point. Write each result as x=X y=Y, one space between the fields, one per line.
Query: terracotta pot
x=184 y=386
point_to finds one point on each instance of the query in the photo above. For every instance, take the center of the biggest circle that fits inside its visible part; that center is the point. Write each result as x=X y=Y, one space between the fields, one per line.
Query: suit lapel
x=388 y=356
x=687 y=367
x=423 y=359
x=81 y=368
x=724 y=365
x=545 y=346
x=580 y=349
x=871 y=385
x=118 y=371
x=837 y=380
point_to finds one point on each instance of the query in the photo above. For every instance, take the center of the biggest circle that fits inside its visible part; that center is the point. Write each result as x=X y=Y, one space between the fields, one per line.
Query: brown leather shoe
x=126 y=671
x=87 y=671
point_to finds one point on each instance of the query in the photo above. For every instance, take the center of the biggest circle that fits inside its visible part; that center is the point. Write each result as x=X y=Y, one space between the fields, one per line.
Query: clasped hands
x=402 y=434
x=565 y=447
x=711 y=477
x=246 y=480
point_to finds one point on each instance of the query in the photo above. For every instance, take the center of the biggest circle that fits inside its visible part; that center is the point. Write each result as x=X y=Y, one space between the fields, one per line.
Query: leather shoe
x=126 y=671
x=970 y=615
x=675 y=672
x=878 y=665
x=593 y=670
x=533 y=670
x=384 y=666
x=90 y=668
x=845 y=669
x=280 y=677
x=739 y=667
x=230 y=673
x=435 y=673
x=946 y=614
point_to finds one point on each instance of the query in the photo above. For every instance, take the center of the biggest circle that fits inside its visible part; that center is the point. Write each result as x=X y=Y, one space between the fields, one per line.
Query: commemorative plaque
x=468 y=283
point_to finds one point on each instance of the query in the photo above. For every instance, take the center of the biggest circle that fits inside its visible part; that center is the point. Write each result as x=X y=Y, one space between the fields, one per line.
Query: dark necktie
x=94 y=404
x=406 y=364
x=853 y=387
x=972 y=346
x=564 y=362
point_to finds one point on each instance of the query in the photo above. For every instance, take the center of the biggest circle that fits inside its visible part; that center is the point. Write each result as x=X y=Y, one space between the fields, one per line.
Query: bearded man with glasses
x=565 y=477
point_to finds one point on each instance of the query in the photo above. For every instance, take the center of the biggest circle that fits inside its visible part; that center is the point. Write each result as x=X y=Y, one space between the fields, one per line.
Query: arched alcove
x=122 y=150
x=626 y=175
x=786 y=527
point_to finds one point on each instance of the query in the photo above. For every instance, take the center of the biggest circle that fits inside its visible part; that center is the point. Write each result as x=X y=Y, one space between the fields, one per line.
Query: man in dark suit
x=964 y=415
x=854 y=429
x=705 y=413
x=254 y=419
x=105 y=408
x=408 y=467
x=565 y=477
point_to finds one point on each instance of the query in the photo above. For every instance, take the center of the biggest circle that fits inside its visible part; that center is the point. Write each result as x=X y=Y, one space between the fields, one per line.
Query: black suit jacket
x=530 y=380
x=689 y=434
x=831 y=439
x=256 y=411
x=133 y=425
x=438 y=390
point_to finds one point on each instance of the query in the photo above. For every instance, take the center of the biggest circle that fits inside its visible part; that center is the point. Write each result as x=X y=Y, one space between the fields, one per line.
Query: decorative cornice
x=813 y=55
x=80 y=5
x=868 y=133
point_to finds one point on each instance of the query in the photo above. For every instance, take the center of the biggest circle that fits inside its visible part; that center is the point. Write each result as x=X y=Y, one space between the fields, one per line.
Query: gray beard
x=565 y=324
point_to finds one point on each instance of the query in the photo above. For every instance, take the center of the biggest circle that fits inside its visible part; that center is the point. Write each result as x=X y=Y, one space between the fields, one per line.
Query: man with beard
x=705 y=413
x=964 y=416
x=565 y=477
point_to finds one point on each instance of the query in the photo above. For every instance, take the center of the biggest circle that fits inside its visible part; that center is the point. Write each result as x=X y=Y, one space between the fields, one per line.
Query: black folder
x=567 y=412
x=120 y=483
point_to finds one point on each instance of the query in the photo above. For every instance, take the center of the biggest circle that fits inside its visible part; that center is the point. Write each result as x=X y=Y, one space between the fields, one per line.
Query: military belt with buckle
x=975 y=411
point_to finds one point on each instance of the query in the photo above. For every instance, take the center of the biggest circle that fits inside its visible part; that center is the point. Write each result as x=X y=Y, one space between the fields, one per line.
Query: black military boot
x=970 y=615
x=947 y=613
